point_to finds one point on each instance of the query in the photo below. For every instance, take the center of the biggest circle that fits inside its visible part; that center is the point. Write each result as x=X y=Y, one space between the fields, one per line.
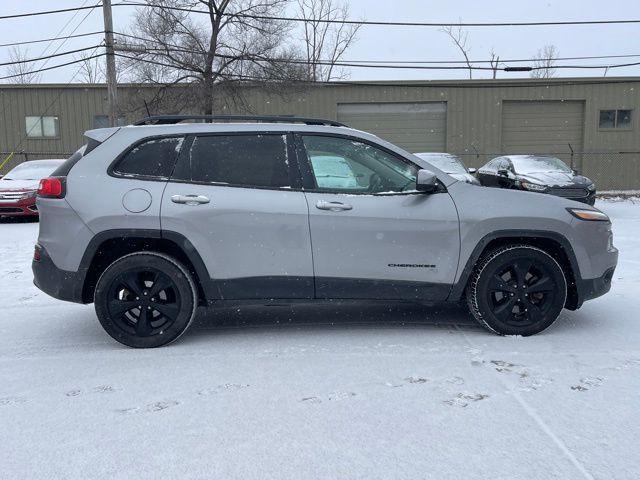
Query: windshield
x=446 y=162
x=532 y=164
x=32 y=171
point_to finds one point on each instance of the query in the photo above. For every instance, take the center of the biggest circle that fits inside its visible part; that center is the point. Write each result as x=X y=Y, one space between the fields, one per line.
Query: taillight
x=52 y=187
x=37 y=253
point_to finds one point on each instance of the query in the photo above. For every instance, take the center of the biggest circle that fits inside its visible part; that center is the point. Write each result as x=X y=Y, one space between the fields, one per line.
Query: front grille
x=569 y=192
x=11 y=196
x=10 y=210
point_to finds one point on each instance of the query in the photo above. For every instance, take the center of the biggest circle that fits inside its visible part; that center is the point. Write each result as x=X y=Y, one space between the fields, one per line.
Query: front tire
x=517 y=290
x=145 y=300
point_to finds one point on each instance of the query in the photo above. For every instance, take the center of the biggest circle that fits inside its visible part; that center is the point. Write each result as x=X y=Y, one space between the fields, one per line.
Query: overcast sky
x=397 y=43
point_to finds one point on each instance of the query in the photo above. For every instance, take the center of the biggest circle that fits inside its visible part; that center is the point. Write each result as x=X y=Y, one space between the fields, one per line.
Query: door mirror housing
x=575 y=171
x=503 y=172
x=472 y=170
x=426 y=181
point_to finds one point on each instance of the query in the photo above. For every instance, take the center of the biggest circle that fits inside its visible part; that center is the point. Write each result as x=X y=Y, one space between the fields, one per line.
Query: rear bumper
x=20 y=208
x=58 y=283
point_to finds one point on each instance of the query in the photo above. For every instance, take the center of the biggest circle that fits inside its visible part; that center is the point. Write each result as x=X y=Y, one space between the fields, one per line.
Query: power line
x=517 y=60
x=72 y=31
x=394 y=66
x=52 y=39
x=389 y=24
x=47 y=57
x=510 y=60
x=346 y=22
x=376 y=83
x=53 y=67
x=44 y=12
x=46 y=49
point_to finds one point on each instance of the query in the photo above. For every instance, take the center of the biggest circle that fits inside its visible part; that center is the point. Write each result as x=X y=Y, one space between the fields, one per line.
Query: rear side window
x=153 y=158
x=252 y=160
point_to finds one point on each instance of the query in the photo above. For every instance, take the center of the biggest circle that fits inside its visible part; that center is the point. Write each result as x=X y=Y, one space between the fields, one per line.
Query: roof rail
x=173 y=119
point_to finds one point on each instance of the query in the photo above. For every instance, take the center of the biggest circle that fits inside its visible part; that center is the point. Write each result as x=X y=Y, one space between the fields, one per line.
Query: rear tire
x=517 y=290
x=145 y=300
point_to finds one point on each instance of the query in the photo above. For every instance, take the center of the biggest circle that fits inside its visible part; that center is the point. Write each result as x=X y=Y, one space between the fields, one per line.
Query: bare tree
x=21 y=70
x=236 y=42
x=494 y=62
x=325 y=42
x=91 y=69
x=460 y=38
x=544 y=62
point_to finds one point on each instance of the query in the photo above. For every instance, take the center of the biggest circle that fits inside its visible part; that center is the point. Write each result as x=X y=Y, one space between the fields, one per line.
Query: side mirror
x=503 y=172
x=426 y=181
x=575 y=171
x=472 y=170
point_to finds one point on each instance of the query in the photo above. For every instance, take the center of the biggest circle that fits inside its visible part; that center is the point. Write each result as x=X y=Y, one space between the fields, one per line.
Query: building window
x=615 y=119
x=42 y=127
x=102 y=121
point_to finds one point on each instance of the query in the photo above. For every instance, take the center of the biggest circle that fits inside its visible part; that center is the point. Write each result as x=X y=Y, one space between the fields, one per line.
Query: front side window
x=152 y=158
x=41 y=127
x=341 y=164
x=504 y=164
x=251 y=160
x=615 y=119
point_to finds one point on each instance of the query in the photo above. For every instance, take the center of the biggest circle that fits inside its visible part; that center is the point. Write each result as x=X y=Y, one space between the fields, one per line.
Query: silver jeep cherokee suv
x=151 y=220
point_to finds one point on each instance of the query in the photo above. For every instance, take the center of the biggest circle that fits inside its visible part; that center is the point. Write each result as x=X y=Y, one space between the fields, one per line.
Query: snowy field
x=359 y=392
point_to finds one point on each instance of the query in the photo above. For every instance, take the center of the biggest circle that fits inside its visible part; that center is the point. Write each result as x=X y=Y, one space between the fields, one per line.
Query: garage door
x=416 y=127
x=544 y=127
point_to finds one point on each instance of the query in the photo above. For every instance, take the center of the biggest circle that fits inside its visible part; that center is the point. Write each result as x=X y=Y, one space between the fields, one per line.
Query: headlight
x=591 y=187
x=534 y=187
x=28 y=195
x=589 y=215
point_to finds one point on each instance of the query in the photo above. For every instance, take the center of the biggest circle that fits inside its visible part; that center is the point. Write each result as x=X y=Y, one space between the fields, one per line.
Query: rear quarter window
x=153 y=158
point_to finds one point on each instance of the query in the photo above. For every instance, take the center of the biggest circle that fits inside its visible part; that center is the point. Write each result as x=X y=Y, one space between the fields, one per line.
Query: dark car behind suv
x=537 y=173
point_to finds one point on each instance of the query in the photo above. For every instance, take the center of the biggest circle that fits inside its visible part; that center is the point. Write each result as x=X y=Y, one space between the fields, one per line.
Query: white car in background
x=451 y=164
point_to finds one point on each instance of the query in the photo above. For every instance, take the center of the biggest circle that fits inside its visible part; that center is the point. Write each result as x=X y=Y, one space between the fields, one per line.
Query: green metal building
x=589 y=122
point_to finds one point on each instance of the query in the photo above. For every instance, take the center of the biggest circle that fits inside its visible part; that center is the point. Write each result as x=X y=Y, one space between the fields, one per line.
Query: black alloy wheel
x=517 y=290
x=145 y=300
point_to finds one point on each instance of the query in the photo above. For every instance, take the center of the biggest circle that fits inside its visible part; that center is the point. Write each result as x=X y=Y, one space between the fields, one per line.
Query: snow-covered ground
x=366 y=392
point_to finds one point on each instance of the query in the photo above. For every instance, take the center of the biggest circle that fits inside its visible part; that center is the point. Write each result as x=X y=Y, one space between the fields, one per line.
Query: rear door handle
x=190 y=199
x=333 y=206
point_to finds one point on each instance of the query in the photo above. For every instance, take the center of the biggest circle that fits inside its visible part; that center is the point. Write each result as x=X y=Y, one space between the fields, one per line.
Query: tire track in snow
x=536 y=418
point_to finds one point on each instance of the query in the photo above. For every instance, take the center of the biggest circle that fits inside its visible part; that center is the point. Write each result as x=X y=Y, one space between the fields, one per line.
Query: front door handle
x=190 y=199
x=333 y=206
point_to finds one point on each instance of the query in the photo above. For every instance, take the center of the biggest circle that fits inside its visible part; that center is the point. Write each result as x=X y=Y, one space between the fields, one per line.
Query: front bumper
x=590 y=199
x=53 y=281
x=595 y=287
x=19 y=208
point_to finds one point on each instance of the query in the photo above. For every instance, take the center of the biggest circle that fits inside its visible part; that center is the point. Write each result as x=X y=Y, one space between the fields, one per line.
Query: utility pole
x=112 y=84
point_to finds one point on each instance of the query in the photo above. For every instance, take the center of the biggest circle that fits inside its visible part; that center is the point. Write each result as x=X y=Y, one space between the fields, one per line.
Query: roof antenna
x=146 y=107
